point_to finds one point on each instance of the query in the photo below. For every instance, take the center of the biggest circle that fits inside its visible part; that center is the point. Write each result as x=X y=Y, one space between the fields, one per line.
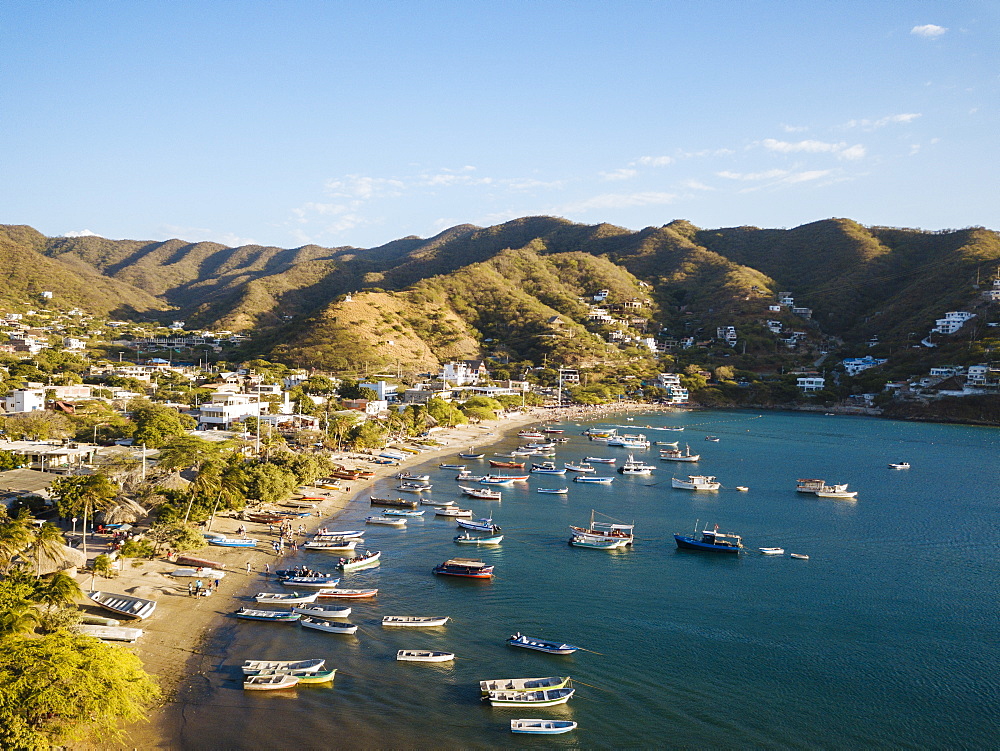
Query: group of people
x=198 y=588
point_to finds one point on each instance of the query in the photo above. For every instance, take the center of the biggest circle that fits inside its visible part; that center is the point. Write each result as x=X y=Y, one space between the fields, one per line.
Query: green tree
x=156 y=424
x=83 y=495
x=367 y=435
x=10 y=460
x=15 y=535
x=48 y=541
x=270 y=483
x=102 y=566
x=37 y=711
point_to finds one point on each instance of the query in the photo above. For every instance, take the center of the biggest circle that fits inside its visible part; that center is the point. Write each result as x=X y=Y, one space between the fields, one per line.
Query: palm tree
x=57 y=592
x=101 y=566
x=15 y=535
x=191 y=452
x=19 y=618
x=48 y=542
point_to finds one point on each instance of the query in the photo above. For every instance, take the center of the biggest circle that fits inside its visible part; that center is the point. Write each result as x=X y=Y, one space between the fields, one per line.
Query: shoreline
x=175 y=647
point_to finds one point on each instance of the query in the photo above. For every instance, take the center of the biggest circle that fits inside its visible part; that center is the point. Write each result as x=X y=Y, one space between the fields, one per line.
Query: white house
x=854 y=365
x=70 y=342
x=785 y=298
x=384 y=391
x=952 y=322
x=459 y=374
x=226 y=409
x=811 y=383
x=24 y=400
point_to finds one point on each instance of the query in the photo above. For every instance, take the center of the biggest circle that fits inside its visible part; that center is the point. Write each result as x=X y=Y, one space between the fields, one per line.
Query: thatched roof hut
x=125 y=511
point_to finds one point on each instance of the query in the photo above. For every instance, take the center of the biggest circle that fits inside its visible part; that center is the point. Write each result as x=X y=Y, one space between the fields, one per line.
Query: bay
x=885 y=638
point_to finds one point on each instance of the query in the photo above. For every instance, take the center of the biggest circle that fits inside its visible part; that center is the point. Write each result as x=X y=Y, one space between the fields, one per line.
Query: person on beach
x=249 y=567
x=215 y=585
x=197 y=587
x=267 y=569
x=190 y=589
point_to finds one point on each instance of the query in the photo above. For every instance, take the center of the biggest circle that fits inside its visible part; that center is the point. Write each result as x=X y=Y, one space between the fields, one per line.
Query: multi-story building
x=854 y=365
x=953 y=320
x=811 y=383
x=226 y=409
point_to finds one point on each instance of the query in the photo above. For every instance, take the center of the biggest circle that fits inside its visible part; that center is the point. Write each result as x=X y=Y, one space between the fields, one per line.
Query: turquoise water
x=886 y=638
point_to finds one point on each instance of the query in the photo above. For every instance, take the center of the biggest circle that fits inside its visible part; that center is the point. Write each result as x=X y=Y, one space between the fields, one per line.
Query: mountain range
x=515 y=288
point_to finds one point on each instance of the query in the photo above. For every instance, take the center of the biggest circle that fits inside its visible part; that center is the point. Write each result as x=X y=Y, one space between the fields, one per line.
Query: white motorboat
x=696 y=482
x=291 y=598
x=676 y=455
x=633 y=466
x=453 y=512
x=772 y=551
x=330 y=627
x=899 y=465
x=386 y=520
x=414 y=621
x=126 y=605
x=542 y=727
x=420 y=655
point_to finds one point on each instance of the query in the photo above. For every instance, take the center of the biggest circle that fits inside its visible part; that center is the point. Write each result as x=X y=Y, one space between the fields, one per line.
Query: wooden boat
x=253 y=667
x=190 y=560
x=470 y=455
x=430 y=502
x=269 y=682
x=387 y=521
x=468 y=477
x=107 y=633
x=279 y=616
x=541 y=645
x=454 y=512
x=507 y=465
x=331 y=546
x=469 y=568
x=899 y=465
x=599 y=460
x=320 y=676
x=711 y=540
x=542 y=727
x=480 y=525
x=548 y=698
x=126 y=605
x=772 y=551
x=410 y=477
x=366 y=559
x=593 y=479
x=285 y=598
x=547 y=469
x=696 y=482
x=233 y=542
x=310 y=582
x=531 y=434
x=597 y=543
x=317 y=610
x=414 y=487
x=496 y=480
x=584 y=467
x=206 y=573
x=605 y=530
x=98 y=620
x=404 y=512
x=347 y=594
x=522 y=684
x=393 y=502
x=676 y=455
x=798 y=556
x=553 y=431
x=466 y=539
x=330 y=627
x=483 y=494
x=457 y=467
x=557 y=491
x=414 y=621
x=419 y=655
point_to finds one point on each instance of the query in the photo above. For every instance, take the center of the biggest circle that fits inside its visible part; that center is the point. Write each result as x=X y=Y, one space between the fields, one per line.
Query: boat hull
x=685 y=542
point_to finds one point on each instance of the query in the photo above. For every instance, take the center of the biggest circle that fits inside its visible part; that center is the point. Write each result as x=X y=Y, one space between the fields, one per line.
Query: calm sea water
x=887 y=637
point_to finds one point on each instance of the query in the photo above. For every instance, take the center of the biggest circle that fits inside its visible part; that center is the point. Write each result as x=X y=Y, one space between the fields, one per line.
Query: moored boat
x=542 y=726
x=282 y=598
x=269 y=682
x=470 y=455
x=469 y=568
x=331 y=546
x=483 y=494
x=522 y=684
x=556 y=491
x=414 y=621
x=506 y=465
x=310 y=582
x=676 y=455
x=541 y=645
x=330 y=627
x=836 y=491
x=581 y=467
x=453 y=512
x=320 y=676
x=126 y=605
x=278 y=616
x=594 y=479
x=420 y=655
x=405 y=512
x=548 y=698
x=696 y=482
x=458 y=467
x=393 y=502
x=599 y=460
x=414 y=487
x=467 y=539
x=385 y=520
x=799 y=556
x=317 y=610
x=772 y=551
x=711 y=540
x=480 y=525
x=347 y=594
x=597 y=543
x=899 y=465
x=633 y=466
x=368 y=558
x=253 y=667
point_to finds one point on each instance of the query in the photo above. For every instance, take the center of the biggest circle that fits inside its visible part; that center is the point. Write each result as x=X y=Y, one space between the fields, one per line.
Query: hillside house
x=386 y=392
x=726 y=334
x=811 y=383
x=226 y=409
x=602 y=295
x=24 y=400
x=804 y=312
x=952 y=322
x=993 y=295
x=785 y=298
x=854 y=365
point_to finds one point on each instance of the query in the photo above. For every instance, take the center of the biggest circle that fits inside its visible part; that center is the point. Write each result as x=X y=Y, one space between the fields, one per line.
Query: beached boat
x=393 y=502
x=385 y=520
x=190 y=560
x=420 y=655
x=457 y=467
x=404 y=512
x=269 y=682
x=233 y=542
x=318 y=610
x=542 y=727
x=899 y=465
x=255 y=667
x=541 y=645
x=596 y=543
x=310 y=582
x=676 y=455
x=368 y=558
x=522 y=684
x=331 y=546
x=594 y=479
x=479 y=525
x=696 y=482
x=483 y=494
x=711 y=540
x=98 y=620
x=330 y=627
x=605 y=530
x=771 y=551
x=506 y=465
x=466 y=539
x=347 y=594
x=278 y=616
x=126 y=605
x=633 y=466
x=414 y=621
x=282 y=598
x=599 y=460
x=453 y=511
x=207 y=573
x=556 y=491
x=107 y=633
x=320 y=676
x=469 y=568
x=582 y=467
x=548 y=698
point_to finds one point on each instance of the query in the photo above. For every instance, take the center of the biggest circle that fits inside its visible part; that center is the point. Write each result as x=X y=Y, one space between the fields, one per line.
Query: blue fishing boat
x=236 y=542
x=711 y=540
x=283 y=616
x=595 y=480
x=541 y=645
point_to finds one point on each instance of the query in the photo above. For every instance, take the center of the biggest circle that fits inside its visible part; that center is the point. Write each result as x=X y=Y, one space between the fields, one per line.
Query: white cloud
x=655 y=161
x=906 y=117
x=622 y=173
x=794 y=128
x=768 y=175
x=528 y=183
x=928 y=31
x=619 y=201
x=81 y=233
x=852 y=153
x=360 y=186
x=696 y=185
x=801 y=177
x=707 y=152
x=808 y=146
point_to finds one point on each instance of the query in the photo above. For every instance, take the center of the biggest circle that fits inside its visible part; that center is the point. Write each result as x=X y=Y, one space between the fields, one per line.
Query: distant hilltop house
x=464 y=372
x=993 y=295
x=811 y=383
x=953 y=320
x=854 y=365
x=726 y=334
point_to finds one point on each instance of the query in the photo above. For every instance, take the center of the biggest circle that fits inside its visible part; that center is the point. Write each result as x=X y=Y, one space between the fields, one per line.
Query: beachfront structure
x=953 y=320
x=226 y=409
x=51 y=455
x=854 y=365
x=811 y=383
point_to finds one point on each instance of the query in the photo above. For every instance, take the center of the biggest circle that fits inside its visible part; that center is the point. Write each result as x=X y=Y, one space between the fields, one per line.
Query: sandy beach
x=173 y=647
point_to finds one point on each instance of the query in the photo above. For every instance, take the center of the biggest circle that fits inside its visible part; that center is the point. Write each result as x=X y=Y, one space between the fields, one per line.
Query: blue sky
x=356 y=123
